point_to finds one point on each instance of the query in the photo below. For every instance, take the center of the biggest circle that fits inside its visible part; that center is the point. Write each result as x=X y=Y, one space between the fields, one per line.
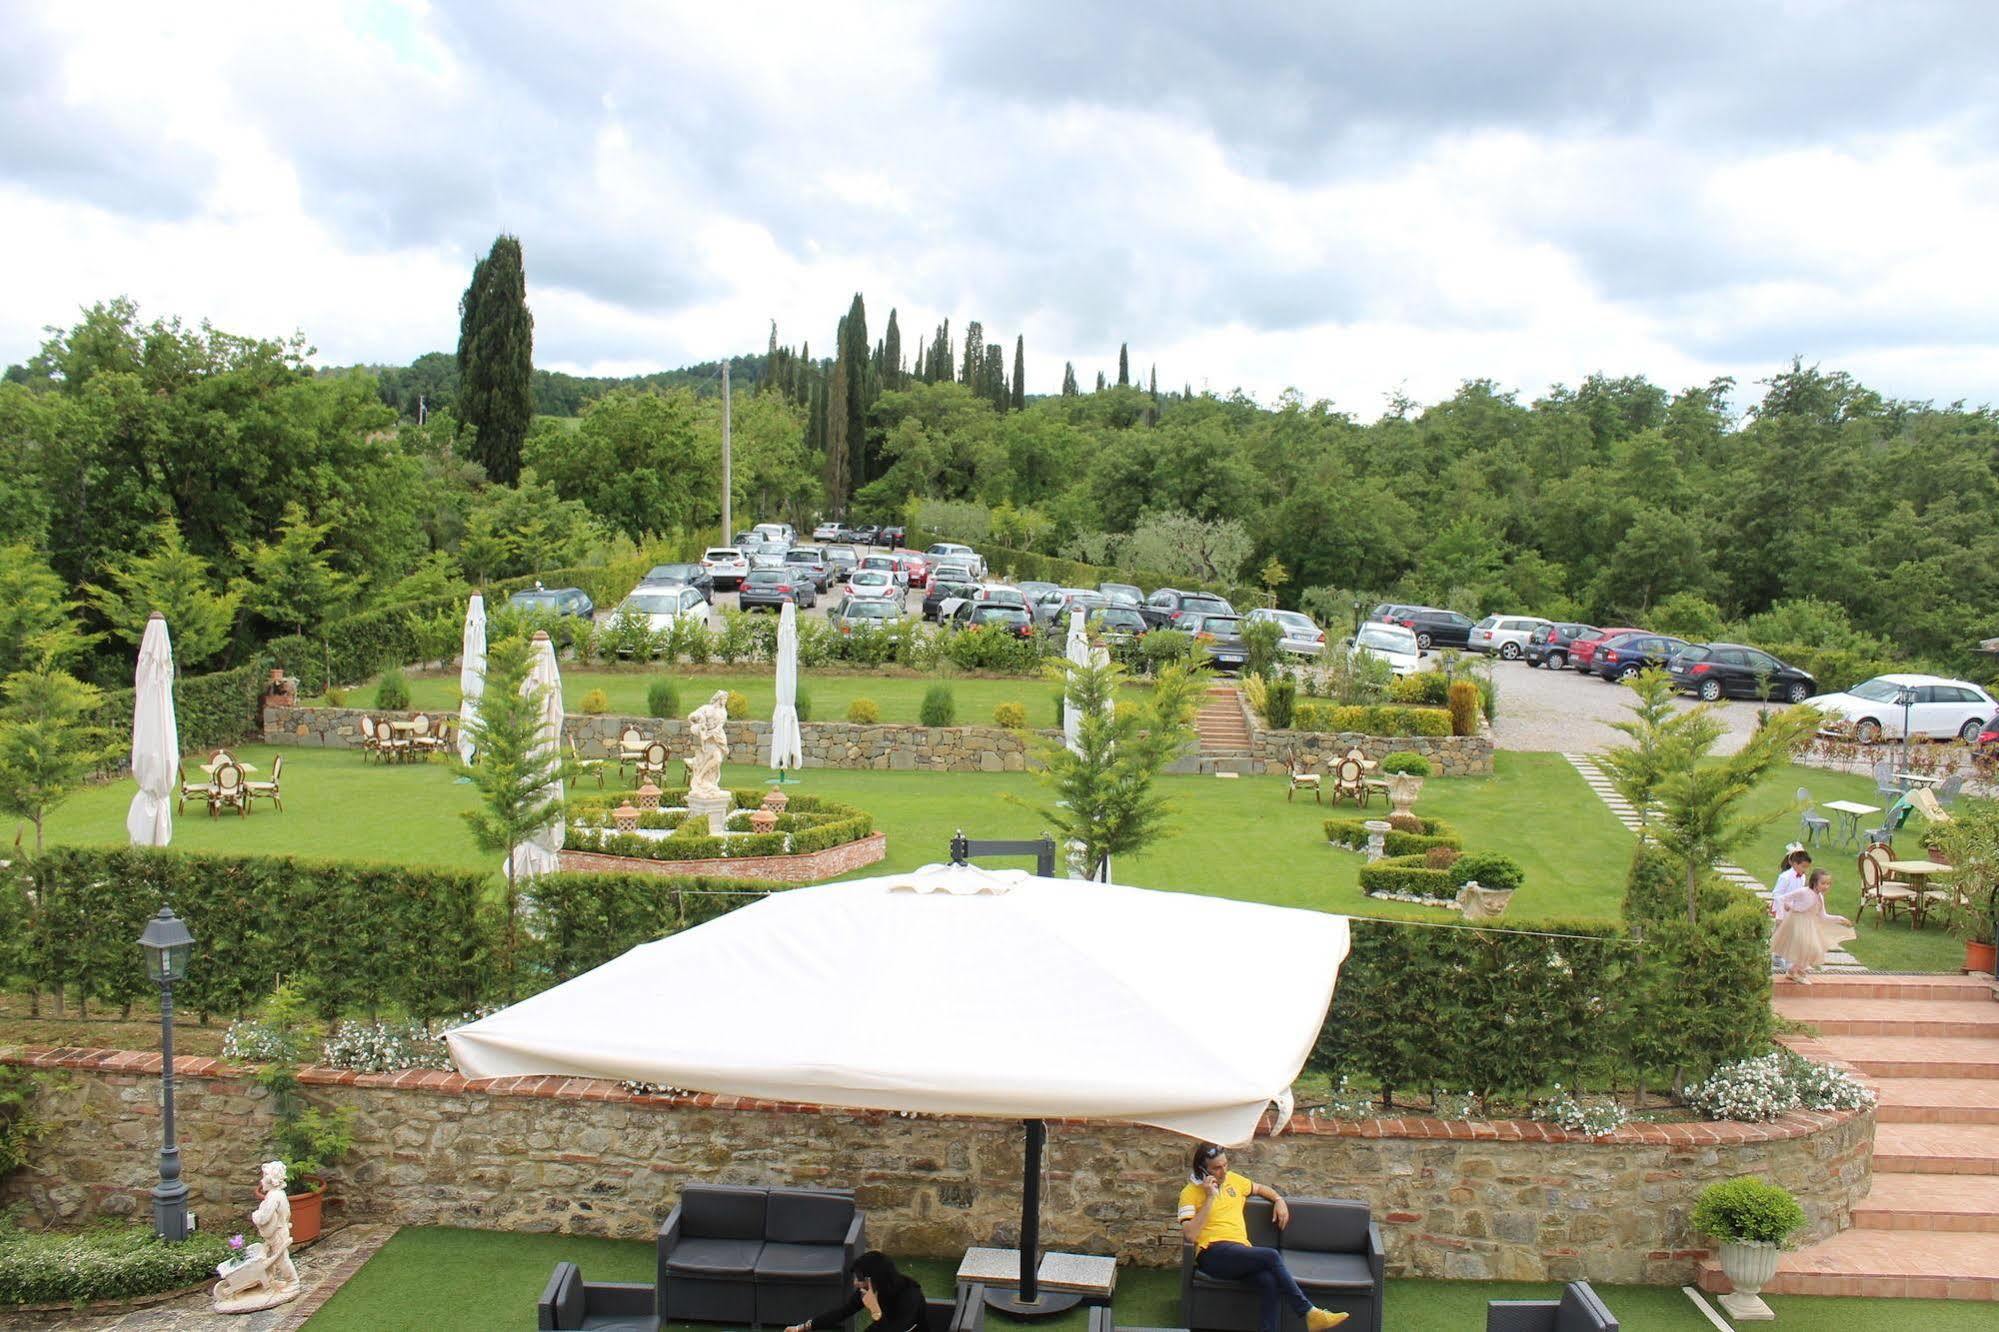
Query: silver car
x=1302 y=637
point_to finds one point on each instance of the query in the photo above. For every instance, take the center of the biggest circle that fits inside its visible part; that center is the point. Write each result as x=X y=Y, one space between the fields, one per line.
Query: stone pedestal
x=1377 y=839
x=715 y=808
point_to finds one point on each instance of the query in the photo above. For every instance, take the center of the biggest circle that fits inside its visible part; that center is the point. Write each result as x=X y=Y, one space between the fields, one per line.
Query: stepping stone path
x=1929 y=1227
x=1838 y=960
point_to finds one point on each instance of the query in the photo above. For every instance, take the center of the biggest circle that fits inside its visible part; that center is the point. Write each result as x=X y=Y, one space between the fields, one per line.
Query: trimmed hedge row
x=1352 y=834
x=102 y=1263
x=211 y=710
x=1379 y=719
x=1409 y=874
x=810 y=823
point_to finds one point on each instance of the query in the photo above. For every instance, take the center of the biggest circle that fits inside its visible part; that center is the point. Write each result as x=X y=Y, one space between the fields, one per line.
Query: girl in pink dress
x=1805 y=931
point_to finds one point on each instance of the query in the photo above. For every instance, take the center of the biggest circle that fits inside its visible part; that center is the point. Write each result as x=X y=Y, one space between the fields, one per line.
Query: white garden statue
x=264 y=1276
x=709 y=723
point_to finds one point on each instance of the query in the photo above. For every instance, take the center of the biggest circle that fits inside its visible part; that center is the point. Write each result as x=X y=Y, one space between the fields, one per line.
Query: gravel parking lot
x=1564 y=711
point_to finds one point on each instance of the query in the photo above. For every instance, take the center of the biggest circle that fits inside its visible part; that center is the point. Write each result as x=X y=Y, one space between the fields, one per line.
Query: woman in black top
x=893 y=1300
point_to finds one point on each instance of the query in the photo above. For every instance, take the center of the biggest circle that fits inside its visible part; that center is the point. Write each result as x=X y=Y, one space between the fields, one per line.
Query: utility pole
x=728 y=526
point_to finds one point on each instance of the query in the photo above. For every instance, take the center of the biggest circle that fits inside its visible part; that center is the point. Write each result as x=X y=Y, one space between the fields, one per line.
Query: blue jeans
x=1262 y=1268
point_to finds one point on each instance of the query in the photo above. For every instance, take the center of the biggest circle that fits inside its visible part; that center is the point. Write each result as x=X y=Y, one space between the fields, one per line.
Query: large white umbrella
x=538 y=855
x=155 y=738
x=1041 y=999
x=787 y=746
x=1077 y=650
x=471 y=673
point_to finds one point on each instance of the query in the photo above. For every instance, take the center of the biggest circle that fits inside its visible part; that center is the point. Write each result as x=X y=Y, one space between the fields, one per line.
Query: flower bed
x=105 y=1263
x=809 y=824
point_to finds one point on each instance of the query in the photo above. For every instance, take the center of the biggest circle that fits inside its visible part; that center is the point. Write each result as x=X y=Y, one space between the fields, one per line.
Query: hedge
x=350 y=650
x=809 y=823
x=1352 y=834
x=102 y=1263
x=588 y=919
x=1382 y=719
x=1025 y=565
x=211 y=710
x=1408 y=874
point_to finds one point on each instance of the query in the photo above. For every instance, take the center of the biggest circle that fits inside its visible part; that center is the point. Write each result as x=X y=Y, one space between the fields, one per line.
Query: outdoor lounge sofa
x=1579 y=1310
x=1332 y=1247
x=570 y=1302
x=729 y=1254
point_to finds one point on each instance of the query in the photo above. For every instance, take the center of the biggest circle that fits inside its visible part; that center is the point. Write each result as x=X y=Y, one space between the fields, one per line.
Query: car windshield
x=672 y=573
x=1877 y=691
x=882 y=562
x=1381 y=640
x=653 y=603
x=869 y=610
x=1221 y=624
x=801 y=557
x=1206 y=605
x=990 y=614
x=767 y=577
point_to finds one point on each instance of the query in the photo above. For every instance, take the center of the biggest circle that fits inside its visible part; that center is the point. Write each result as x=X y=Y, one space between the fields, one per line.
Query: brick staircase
x=1223 y=731
x=1929 y=1228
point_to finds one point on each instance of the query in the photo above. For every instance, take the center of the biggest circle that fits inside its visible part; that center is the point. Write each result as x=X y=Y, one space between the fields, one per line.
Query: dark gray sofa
x=1332 y=1248
x=747 y=1256
x=1579 y=1310
x=569 y=1302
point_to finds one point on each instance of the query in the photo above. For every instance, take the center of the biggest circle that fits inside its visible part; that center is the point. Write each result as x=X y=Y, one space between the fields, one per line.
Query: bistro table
x=1910 y=780
x=210 y=766
x=1914 y=873
x=1849 y=812
x=1064 y=1279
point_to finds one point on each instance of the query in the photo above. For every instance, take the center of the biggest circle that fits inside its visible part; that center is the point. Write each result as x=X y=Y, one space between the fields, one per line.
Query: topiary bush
x=393 y=693
x=1280 y=703
x=863 y=712
x=940 y=706
x=1408 y=834
x=1405 y=764
x=1489 y=870
x=595 y=703
x=1747 y=1211
x=662 y=699
x=1430 y=689
x=737 y=706
x=1466 y=708
x=1013 y=716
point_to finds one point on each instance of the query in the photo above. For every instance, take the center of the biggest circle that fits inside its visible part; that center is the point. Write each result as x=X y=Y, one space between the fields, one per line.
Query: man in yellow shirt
x=1211 y=1216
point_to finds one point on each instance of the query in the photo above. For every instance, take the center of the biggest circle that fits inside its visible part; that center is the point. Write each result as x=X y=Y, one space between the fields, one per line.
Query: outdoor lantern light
x=1906 y=696
x=168 y=946
x=1356 y=618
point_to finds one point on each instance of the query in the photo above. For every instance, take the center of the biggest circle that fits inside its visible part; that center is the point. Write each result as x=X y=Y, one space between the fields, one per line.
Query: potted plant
x=1405 y=773
x=306 y=1139
x=309 y=1141
x=1751 y=1218
x=1969 y=843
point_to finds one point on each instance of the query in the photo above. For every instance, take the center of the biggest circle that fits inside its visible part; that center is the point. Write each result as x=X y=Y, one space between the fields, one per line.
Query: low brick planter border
x=810 y=867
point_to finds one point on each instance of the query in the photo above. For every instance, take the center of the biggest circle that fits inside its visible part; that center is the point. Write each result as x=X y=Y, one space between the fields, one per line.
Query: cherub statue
x=709 y=724
x=264 y=1275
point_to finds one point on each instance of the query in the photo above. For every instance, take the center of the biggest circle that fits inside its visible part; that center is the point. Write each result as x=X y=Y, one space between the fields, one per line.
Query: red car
x=1583 y=650
x=914 y=565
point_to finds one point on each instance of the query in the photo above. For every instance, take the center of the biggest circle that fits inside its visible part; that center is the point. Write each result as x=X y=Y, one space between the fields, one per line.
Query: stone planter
x=1749 y=1266
x=1403 y=788
x=1484 y=903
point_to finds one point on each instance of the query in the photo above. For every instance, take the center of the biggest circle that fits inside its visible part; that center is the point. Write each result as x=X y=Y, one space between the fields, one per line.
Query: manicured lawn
x=426 y=1279
x=898 y=696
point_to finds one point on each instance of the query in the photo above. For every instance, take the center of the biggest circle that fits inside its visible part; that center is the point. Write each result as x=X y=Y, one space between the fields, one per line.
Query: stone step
x=1916 y=1056
x=1938 y=1149
x=1897 y=1017
x=1937 y=1101
x=1967 y=989
x=1882 y=1264
x=1962 y=1203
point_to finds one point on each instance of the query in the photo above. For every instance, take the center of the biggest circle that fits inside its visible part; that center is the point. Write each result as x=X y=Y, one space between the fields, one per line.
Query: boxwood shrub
x=1352 y=834
x=1377 y=719
x=809 y=823
x=1408 y=874
x=103 y=1263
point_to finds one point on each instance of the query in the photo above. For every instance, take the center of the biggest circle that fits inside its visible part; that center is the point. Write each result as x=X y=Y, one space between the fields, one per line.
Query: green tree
x=37 y=623
x=892 y=374
x=1123 y=365
x=1019 y=371
x=640 y=461
x=496 y=360
x=291 y=582
x=1069 y=386
x=1106 y=797
x=1662 y=741
x=48 y=746
x=524 y=530
x=165 y=576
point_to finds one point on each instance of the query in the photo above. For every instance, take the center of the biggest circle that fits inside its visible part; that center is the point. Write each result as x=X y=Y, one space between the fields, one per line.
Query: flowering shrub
x=1823 y=1087
x=1564 y=1111
x=1752 y=1090
x=382 y=1047
x=1346 y=1101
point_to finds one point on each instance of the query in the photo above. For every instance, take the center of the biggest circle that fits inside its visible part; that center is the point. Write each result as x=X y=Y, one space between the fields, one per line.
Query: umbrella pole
x=1028 y=1301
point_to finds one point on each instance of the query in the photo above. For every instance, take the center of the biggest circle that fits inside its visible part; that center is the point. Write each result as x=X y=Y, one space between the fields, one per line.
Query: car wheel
x=1868 y=731
x=1710 y=691
x=1423 y=642
x=1557 y=660
x=1797 y=693
x=1969 y=732
x=1509 y=652
x=1625 y=674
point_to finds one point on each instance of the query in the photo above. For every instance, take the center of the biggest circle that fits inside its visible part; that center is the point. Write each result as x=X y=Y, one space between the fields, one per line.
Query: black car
x=1549 y=645
x=687 y=575
x=1434 y=627
x=561 y=600
x=1731 y=670
x=1166 y=608
x=1388 y=611
x=1117 y=623
x=1220 y=636
x=941 y=591
x=1627 y=654
x=771 y=588
x=867 y=534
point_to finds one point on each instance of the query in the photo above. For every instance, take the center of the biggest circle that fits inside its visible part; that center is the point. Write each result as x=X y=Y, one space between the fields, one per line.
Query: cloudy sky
x=1341 y=197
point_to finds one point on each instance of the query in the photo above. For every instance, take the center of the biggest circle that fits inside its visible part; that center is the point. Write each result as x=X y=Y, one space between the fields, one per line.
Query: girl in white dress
x=1805 y=931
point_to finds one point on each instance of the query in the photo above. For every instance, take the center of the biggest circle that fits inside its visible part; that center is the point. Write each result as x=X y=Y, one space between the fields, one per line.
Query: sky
x=1353 y=200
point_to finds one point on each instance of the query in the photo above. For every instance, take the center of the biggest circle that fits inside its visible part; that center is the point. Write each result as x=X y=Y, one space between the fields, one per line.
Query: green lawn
x=899 y=696
x=436 y=1280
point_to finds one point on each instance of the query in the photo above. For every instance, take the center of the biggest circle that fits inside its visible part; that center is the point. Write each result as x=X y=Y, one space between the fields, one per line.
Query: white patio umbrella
x=155 y=738
x=1040 y=998
x=471 y=673
x=787 y=746
x=1077 y=650
x=538 y=855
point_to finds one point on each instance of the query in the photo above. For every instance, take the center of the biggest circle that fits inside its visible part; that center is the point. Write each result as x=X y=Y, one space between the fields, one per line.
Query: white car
x=774 y=534
x=826 y=532
x=1505 y=634
x=953 y=553
x=1391 y=643
x=662 y=604
x=726 y=564
x=889 y=565
x=1939 y=708
x=1302 y=638
x=874 y=583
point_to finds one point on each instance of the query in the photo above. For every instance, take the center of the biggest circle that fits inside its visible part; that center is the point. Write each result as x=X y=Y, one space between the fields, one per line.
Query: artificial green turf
x=435 y=1280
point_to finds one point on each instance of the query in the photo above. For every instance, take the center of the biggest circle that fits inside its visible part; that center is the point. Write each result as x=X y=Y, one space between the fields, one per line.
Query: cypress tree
x=496 y=360
x=1100 y=381
x=940 y=354
x=921 y=375
x=1069 y=386
x=892 y=355
x=837 y=439
x=1019 y=371
x=858 y=396
x=992 y=383
x=975 y=357
x=1123 y=366
x=1155 y=381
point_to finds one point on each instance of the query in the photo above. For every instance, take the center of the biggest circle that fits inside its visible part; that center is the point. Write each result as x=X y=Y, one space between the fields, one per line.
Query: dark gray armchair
x=747 y=1255
x=1332 y=1248
x=966 y=1313
x=569 y=1302
x=1579 y=1310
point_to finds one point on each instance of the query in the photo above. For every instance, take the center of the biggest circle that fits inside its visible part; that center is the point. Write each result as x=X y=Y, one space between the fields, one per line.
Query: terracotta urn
x=762 y=821
x=648 y=796
x=776 y=801
x=626 y=817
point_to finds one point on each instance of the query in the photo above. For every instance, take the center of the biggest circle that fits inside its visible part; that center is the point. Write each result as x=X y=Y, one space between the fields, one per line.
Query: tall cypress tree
x=1155 y=381
x=496 y=360
x=1100 y=381
x=992 y=383
x=974 y=367
x=1019 y=371
x=1069 y=386
x=940 y=354
x=892 y=355
x=921 y=375
x=1123 y=366
x=859 y=396
x=838 y=441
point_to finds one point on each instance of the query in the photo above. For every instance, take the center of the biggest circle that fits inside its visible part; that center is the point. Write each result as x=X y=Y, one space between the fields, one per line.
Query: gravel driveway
x=1564 y=711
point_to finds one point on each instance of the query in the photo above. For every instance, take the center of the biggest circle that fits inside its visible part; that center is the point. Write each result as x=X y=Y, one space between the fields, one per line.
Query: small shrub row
x=1352 y=834
x=1375 y=719
x=1413 y=874
x=102 y=1263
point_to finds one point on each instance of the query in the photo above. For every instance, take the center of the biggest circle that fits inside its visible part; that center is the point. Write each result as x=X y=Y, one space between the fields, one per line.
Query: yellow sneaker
x=1317 y=1319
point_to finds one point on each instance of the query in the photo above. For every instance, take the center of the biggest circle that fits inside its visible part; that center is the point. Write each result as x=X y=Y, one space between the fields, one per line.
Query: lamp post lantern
x=1356 y=618
x=1906 y=696
x=168 y=946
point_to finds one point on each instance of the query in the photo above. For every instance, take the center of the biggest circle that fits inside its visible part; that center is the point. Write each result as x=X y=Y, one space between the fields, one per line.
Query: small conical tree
x=1019 y=371
x=1069 y=386
x=290 y=581
x=49 y=747
x=1100 y=381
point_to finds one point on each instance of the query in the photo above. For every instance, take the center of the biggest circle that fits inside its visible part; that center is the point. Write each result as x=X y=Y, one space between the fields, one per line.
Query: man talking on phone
x=1211 y=1216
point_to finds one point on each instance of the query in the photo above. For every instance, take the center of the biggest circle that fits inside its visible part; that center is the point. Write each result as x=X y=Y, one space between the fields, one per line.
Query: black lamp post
x=168 y=946
x=1906 y=696
x=1356 y=619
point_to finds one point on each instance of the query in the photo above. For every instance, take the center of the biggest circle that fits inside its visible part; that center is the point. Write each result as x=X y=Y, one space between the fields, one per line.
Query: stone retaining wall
x=1316 y=751
x=1504 y=1200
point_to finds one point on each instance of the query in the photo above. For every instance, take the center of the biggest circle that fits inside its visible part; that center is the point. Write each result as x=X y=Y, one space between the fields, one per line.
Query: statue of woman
x=709 y=723
x=264 y=1276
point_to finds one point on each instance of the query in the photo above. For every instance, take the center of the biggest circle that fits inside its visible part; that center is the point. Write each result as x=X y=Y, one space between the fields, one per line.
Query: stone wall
x=1503 y=1200
x=1316 y=751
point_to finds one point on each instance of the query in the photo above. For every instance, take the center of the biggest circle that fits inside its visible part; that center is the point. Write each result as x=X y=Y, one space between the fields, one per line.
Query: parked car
x=894 y=538
x=1166 y=608
x=1034 y=590
x=864 y=613
x=872 y=583
x=889 y=565
x=943 y=596
x=1044 y=600
x=767 y=557
x=1939 y=708
x=953 y=571
x=663 y=603
x=1988 y=738
x=809 y=562
x=1730 y=670
x=1302 y=637
x=826 y=532
x=1549 y=645
x=1115 y=623
x=1389 y=611
x=867 y=534
x=914 y=566
x=1435 y=627
x=951 y=550
x=776 y=534
x=769 y=589
x=726 y=565
x=1220 y=636
x=841 y=560
x=990 y=615
x=1582 y=651
x=1392 y=643
x=687 y=575
x=1622 y=657
x=1506 y=635
x=1123 y=594
x=561 y=600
